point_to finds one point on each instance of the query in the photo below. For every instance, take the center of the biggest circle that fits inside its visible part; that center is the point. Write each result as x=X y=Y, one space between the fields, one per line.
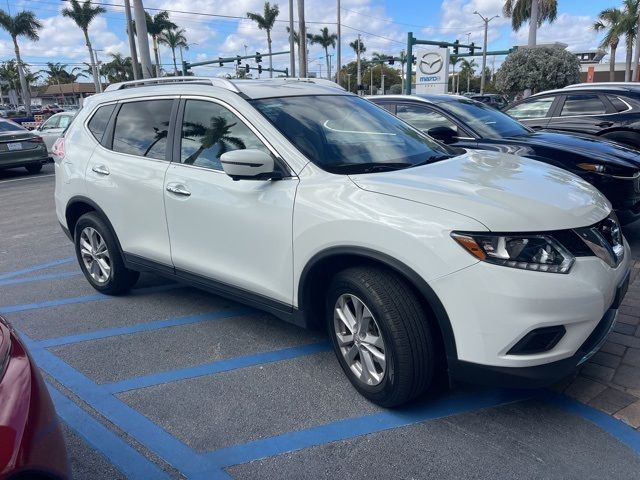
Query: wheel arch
x=80 y=205
x=324 y=265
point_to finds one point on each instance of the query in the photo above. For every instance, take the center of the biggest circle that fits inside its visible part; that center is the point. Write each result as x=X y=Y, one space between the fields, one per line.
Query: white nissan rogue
x=313 y=204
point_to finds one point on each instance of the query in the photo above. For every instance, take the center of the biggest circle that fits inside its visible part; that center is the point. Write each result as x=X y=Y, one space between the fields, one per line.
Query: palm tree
x=610 y=20
x=119 y=68
x=628 y=29
x=219 y=133
x=155 y=26
x=266 y=22
x=354 y=45
x=24 y=24
x=536 y=12
x=325 y=40
x=468 y=68
x=359 y=48
x=174 y=39
x=83 y=14
x=454 y=61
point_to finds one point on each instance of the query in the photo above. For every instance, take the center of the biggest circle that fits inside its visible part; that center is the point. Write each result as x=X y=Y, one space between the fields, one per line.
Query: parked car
x=608 y=112
x=492 y=99
x=21 y=148
x=31 y=441
x=52 y=128
x=462 y=122
x=314 y=204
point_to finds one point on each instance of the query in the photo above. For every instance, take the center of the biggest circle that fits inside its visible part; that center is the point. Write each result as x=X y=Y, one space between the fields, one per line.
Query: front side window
x=209 y=130
x=142 y=128
x=51 y=123
x=582 y=104
x=484 y=119
x=423 y=118
x=98 y=123
x=346 y=134
x=538 y=108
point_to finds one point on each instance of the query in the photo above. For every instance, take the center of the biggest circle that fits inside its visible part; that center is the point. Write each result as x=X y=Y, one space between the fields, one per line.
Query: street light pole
x=484 y=48
x=302 y=33
x=359 y=73
x=339 y=52
x=292 y=54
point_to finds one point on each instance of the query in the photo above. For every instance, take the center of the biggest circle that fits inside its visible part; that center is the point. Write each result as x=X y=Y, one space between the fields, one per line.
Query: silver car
x=53 y=128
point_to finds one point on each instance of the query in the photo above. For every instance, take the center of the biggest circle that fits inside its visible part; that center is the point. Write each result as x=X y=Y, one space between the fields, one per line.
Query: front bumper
x=491 y=308
x=31 y=440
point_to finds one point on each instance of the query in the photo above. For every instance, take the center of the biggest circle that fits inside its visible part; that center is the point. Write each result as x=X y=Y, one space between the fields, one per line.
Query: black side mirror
x=445 y=134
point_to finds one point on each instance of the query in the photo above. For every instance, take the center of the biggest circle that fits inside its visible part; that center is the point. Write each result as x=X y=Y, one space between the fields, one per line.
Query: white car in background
x=53 y=128
x=320 y=207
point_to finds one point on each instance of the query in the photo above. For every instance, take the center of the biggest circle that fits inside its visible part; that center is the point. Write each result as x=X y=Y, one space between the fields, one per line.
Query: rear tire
x=397 y=337
x=34 y=168
x=99 y=256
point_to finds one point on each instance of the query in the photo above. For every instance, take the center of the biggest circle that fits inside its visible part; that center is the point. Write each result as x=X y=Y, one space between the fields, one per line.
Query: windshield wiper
x=433 y=159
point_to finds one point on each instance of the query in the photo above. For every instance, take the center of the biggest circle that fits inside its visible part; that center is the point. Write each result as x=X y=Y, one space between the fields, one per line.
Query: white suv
x=318 y=206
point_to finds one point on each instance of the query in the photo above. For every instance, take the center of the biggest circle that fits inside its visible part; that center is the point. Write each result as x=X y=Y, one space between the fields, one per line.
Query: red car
x=31 y=442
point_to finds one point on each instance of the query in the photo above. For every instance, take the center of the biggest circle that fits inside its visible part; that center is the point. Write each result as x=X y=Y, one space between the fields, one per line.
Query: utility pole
x=143 y=38
x=371 y=86
x=303 y=39
x=339 y=52
x=349 y=82
x=329 y=56
x=292 y=53
x=132 y=41
x=484 y=48
x=359 y=73
x=382 y=82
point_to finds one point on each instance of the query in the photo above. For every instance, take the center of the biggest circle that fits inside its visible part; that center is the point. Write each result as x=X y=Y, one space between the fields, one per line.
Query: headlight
x=613 y=170
x=528 y=252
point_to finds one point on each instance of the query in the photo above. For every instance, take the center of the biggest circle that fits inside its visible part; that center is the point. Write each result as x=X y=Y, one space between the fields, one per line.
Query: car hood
x=506 y=193
x=594 y=148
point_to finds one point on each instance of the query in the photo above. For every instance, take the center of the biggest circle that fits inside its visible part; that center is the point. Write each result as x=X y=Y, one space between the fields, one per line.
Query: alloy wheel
x=360 y=339
x=95 y=255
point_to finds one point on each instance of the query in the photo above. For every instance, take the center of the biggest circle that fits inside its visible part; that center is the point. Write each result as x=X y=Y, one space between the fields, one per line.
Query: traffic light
x=455 y=47
x=472 y=48
x=246 y=68
x=413 y=59
x=259 y=68
x=391 y=60
x=220 y=63
x=258 y=57
x=238 y=60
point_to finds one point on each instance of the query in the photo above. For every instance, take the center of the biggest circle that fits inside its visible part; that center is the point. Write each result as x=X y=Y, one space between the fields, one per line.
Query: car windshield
x=9 y=126
x=485 y=120
x=346 y=134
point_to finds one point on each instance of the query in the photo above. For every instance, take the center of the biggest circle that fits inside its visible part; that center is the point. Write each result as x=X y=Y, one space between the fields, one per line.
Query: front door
x=235 y=234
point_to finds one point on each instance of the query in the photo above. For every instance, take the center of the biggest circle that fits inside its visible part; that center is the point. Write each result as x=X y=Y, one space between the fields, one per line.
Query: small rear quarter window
x=99 y=121
x=618 y=103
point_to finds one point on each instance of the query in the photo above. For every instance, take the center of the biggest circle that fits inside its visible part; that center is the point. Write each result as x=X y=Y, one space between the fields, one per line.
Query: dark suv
x=612 y=112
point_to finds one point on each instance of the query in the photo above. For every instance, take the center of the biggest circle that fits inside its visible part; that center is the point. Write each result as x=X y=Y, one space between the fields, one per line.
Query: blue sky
x=383 y=25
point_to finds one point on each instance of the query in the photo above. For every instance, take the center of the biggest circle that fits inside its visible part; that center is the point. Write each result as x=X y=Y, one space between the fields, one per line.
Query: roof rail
x=603 y=85
x=318 y=81
x=215 y=82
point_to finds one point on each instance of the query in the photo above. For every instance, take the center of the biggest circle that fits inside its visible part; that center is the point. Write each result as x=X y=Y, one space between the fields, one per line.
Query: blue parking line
x=618 y=429
x=354 y=427
x=39 y=278
x=83 y=299
x=218 y=366
x=144 y=327
x=120 y=454
x=153 y=437
x=35 y=268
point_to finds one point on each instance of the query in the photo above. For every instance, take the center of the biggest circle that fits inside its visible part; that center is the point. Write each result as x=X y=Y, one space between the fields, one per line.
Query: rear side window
x=618 y=103
x=142 y=127
x=98 y=123
x=538 y=108
x=583 y=104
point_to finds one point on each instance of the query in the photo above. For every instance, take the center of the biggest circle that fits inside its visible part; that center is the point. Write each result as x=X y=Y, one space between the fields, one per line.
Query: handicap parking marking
x=131 y=463
x=145 y=327
x=39 y=278
x=35 y=268
x=96 y=297
x=218 y=366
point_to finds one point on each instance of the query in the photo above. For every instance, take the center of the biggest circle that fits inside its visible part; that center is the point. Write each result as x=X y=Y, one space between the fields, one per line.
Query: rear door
x=534 y=112
x=125 y=176
x=582 y=112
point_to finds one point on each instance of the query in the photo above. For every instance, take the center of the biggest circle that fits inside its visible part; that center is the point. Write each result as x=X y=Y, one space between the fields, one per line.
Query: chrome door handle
x=100 y=169
x=178 y=189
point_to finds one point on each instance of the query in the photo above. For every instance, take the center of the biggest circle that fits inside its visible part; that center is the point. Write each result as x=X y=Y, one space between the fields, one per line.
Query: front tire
x=380 y=334
x=99 y=256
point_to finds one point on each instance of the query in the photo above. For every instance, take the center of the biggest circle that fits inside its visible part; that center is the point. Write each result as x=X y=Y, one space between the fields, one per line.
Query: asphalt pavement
x=172 y=382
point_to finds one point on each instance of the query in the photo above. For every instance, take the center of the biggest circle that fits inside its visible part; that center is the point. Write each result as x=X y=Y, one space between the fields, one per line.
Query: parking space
x=172 y=382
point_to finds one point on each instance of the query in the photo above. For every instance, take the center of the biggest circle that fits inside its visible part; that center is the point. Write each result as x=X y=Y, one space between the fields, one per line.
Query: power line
x=408 y=24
